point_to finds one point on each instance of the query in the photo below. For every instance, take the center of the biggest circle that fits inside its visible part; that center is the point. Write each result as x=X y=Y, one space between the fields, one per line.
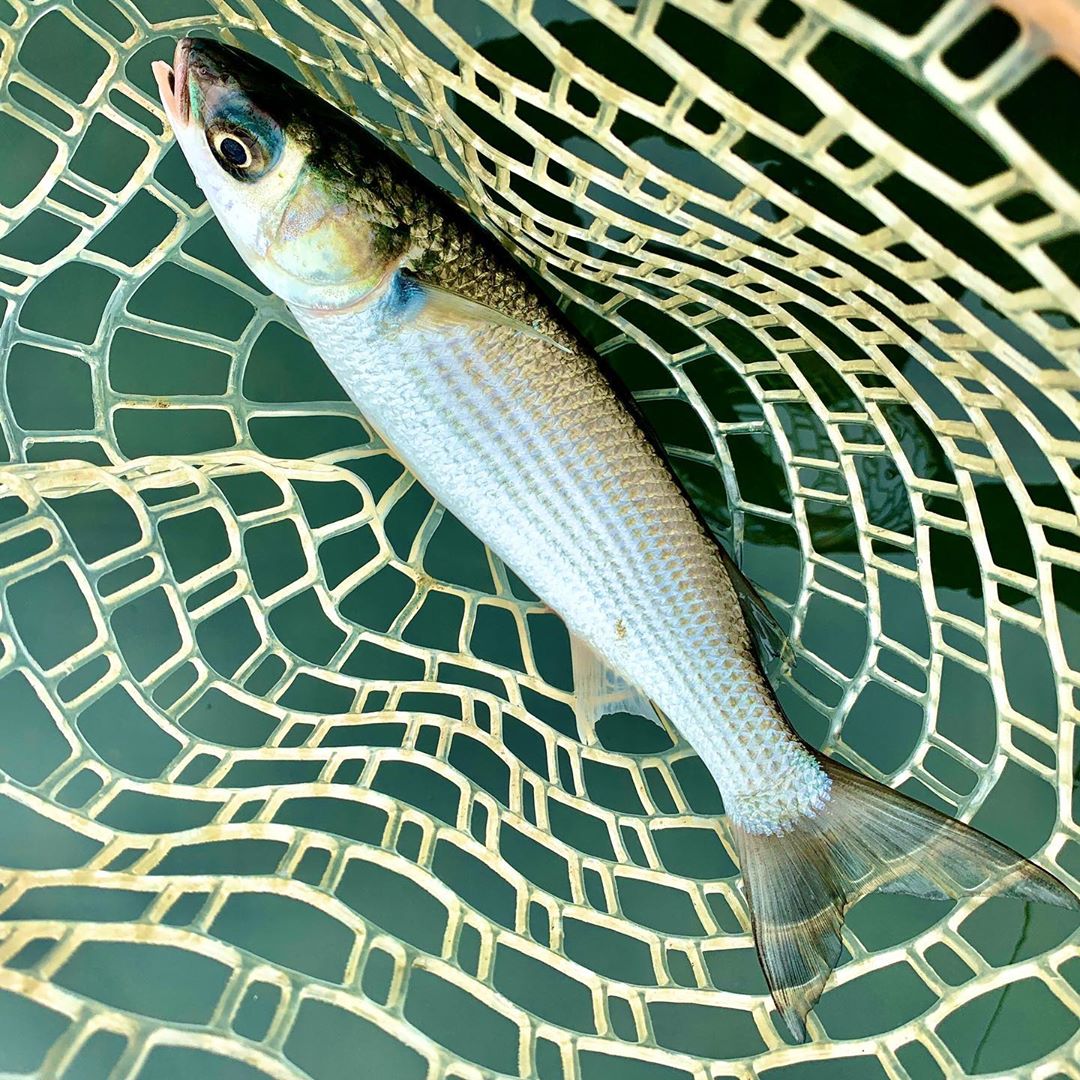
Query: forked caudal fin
x=800 y=882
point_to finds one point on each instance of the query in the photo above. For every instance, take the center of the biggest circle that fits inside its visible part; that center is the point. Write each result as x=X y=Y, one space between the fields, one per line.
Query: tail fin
x=799 y=883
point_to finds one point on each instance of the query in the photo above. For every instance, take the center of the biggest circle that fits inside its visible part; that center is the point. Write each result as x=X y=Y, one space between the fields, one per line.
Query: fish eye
x=245 y=141
x=233 y=150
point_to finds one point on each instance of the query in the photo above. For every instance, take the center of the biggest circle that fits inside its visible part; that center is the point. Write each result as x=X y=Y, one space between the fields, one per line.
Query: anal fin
x=601 y=691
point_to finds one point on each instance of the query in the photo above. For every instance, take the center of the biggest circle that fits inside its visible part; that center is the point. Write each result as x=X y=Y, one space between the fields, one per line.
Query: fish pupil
x=234 y=151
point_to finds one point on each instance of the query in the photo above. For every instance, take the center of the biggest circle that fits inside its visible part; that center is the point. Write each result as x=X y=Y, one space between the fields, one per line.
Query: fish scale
x=527 y=445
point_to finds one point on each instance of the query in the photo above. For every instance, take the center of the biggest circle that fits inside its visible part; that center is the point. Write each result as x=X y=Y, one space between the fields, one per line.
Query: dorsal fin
x=772 y=642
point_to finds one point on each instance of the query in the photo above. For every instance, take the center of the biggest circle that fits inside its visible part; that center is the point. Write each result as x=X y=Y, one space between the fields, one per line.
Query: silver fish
x=492 y=400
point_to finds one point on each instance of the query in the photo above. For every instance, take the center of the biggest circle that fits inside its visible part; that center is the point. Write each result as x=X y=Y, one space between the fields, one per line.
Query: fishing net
x=293 y=779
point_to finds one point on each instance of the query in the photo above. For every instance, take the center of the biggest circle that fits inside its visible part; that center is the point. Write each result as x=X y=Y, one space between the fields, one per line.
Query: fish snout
x=172 y=83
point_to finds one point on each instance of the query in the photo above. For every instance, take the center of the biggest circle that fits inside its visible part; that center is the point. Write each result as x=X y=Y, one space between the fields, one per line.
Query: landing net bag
x=292 y=777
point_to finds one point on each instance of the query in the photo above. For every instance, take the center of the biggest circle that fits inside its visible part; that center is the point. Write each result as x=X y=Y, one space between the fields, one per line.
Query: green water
x=52 y=390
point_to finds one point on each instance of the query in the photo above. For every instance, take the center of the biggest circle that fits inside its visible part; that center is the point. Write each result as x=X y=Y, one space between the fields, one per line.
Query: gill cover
x=326 y=251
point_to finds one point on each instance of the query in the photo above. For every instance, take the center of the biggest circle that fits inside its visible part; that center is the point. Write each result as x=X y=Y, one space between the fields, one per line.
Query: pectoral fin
x=601 y=691
x=435 y=306
x=772 y=642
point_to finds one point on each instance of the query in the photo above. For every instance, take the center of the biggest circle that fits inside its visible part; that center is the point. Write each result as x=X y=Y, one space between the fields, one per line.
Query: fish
x=480 y=385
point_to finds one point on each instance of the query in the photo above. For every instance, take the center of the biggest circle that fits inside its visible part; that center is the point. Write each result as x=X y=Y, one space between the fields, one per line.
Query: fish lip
x=172 y=83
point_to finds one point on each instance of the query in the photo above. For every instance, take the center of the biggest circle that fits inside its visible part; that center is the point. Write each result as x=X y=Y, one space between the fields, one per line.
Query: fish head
x=307 y=197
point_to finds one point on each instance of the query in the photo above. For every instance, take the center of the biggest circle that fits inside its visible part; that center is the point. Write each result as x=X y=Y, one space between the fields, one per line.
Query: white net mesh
x=292 y=777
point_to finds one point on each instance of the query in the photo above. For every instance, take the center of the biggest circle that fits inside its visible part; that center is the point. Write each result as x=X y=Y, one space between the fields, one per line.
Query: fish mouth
x=172 y=83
